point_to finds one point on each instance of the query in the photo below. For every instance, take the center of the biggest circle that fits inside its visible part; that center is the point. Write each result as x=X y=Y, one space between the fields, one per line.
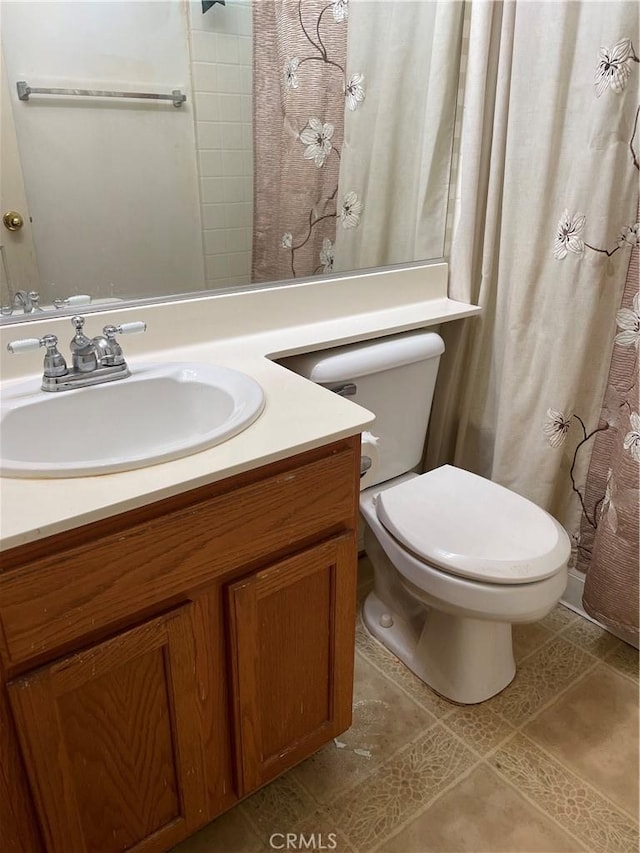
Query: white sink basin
x=161 y=412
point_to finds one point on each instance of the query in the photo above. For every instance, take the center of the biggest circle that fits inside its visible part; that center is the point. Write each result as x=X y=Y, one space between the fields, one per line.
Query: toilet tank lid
x=363 y=358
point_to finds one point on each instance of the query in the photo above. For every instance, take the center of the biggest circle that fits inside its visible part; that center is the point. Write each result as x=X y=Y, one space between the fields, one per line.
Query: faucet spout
x=83 y=349
x=27 y=301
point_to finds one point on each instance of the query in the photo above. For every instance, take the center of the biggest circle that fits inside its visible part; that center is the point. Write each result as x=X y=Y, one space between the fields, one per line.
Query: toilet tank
x=394 y=377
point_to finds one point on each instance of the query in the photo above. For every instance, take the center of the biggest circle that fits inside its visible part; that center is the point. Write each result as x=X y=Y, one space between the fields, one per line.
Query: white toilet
x=457 y=559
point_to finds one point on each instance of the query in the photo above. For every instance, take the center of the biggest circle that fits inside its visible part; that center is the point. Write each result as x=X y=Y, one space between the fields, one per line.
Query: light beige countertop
x=245 y=331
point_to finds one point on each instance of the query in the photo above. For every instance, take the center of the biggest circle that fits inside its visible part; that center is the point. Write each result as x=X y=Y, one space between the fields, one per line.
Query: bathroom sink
x=161 y=412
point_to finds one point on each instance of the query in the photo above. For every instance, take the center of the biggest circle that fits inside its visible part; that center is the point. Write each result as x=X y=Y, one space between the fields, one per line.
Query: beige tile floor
x=549 y=765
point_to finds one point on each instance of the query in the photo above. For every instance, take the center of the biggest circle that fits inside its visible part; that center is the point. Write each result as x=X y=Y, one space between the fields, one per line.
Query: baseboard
x=572 y=596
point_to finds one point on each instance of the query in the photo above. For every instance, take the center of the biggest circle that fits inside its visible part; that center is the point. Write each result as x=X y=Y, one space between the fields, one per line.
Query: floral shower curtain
x=608 y=541
x=299 y=99
x=333 y=151
x=544 y=226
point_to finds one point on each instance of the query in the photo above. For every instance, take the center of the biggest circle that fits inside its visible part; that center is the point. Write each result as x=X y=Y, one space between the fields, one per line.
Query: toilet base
x=463 y=659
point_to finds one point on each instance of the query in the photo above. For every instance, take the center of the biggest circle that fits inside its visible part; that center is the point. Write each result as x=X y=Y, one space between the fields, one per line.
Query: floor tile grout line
x=519 y=729
x=564 y=635
x=535 y=714
x=492 y=750
x=431 y=723
x=526 y=657
x=383 y=763
x=482 y=761
x=539 y=808
x=553 y=634
x=464 y=743
x=403 y=689
x=633 y=679
x=342 y=832
x=429 y=802
x=398 y=829
x=604 y=657
x=391 y=656
x=546 y=705
x=573 y=772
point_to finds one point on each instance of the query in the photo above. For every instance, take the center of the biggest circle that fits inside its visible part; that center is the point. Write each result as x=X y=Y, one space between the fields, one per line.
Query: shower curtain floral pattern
x=609 y=496
x=545 y=395
x=303 y=148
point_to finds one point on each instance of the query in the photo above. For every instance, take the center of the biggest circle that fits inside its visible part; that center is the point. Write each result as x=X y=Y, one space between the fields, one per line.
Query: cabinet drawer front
x=50 y=602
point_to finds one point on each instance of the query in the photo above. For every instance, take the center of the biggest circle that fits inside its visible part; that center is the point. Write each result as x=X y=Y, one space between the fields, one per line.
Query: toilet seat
x=468 y=526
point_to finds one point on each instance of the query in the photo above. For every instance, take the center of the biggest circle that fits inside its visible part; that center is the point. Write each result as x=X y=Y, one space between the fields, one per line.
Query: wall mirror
x=292 y=138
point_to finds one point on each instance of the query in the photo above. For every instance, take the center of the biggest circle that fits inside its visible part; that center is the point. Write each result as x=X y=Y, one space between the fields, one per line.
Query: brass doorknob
x=13 y=220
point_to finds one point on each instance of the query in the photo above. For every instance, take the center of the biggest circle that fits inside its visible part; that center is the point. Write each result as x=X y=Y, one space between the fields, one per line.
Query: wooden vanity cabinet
x=160 y=665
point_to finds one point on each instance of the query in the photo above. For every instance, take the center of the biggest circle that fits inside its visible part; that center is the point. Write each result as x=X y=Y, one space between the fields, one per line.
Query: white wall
x=120 y=169
x=221 y=50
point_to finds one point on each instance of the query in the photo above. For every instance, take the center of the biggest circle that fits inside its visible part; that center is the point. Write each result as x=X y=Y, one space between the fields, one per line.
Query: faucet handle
x=24 y=345
x=110 y=351
x=125 y=328
x=54 y=363
x=72 y=301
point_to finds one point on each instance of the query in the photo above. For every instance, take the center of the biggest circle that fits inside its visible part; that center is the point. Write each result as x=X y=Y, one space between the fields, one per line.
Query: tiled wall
x=221 y=55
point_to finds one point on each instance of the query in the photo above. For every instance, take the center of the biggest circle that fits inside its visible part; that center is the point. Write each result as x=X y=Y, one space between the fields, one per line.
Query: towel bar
x=24 y=91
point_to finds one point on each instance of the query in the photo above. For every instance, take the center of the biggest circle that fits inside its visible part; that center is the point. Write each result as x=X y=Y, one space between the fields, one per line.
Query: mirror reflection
x=292 y=138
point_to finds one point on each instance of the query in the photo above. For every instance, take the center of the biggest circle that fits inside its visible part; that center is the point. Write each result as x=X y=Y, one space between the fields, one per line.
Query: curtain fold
x=545 y=215
x=396 y=156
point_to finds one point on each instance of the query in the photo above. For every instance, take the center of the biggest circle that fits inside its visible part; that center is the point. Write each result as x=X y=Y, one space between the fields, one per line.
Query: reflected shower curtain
x=397 y=145
x=544 y=226
x=299 y=79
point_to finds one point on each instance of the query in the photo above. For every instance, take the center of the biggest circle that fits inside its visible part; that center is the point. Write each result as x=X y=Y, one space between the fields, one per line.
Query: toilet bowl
x=457 y=558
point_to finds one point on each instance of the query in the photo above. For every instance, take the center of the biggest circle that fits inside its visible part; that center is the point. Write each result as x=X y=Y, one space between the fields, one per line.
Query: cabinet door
x=112 y=741
x=292 y=641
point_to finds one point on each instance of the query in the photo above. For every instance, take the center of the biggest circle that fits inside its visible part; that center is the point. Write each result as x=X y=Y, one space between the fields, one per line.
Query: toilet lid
x=469 y=526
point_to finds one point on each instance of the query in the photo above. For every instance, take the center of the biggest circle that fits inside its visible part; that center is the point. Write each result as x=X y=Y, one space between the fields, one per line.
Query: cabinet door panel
x=112 y=743
x=292 y=638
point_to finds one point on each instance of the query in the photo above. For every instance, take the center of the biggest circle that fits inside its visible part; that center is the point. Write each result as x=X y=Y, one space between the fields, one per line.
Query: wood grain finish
x=19 y=832
x=116 y=720
x=51 y=601
x=291 y=634
x=133 y=741
x=213 y=699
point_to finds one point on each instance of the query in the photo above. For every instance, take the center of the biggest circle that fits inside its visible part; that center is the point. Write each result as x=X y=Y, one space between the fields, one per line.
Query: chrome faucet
x=94 y=360
x=27 y=301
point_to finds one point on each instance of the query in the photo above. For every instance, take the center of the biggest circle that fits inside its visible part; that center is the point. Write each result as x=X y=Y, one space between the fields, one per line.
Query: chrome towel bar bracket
x=25 y=90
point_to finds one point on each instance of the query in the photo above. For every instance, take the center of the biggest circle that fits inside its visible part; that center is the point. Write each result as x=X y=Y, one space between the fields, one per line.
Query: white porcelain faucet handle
x=23 y=345
x=131 y=328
